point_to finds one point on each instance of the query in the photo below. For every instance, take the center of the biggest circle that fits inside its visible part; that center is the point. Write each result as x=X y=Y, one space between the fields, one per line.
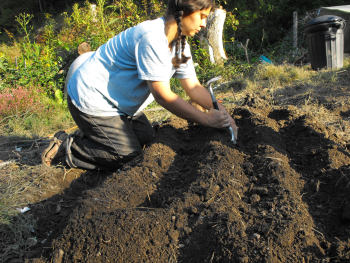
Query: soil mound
x=282 y=194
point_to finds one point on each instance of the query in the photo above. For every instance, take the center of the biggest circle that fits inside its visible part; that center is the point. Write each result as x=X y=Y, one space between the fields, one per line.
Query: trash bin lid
x=326 y=19
x=324 y=23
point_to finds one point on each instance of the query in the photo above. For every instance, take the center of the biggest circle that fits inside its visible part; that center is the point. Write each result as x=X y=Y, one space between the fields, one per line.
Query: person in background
x=108 y=89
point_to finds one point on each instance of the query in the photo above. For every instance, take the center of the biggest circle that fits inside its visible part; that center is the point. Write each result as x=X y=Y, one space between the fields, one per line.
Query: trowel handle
x=216 y=106
x=215 y=103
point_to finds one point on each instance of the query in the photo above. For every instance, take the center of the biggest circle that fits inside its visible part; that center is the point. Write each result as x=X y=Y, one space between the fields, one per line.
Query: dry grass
x=278 y=76
x=16 y=229
x=11 y=188
x=18 y=187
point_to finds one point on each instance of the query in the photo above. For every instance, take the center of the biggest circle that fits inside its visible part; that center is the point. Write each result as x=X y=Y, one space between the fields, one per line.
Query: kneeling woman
x=109 y=88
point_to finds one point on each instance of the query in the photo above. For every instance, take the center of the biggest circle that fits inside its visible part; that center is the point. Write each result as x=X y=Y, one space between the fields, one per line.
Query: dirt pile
x=282 y=194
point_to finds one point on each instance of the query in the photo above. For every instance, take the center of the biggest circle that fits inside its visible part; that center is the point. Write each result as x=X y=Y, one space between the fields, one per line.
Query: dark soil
x=282 y=194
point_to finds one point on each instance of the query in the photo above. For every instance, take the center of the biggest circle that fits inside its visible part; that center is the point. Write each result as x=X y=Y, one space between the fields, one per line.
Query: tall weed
x=37 y=64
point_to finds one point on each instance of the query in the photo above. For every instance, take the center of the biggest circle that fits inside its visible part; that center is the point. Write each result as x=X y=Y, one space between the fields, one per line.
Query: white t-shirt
x=112 y=81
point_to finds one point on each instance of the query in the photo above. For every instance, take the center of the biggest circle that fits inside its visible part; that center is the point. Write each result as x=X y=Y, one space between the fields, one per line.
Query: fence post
x=295 y=30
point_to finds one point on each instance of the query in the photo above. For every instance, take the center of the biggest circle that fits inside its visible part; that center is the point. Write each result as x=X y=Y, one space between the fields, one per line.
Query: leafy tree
x=265 y=22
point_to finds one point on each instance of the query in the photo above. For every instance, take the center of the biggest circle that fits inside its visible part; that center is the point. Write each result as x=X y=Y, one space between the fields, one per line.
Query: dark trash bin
x=325 y=40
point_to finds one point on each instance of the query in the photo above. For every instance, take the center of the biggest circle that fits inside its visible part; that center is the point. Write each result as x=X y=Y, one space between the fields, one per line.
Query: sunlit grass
x=11 y=188
x=51 y=116
x=10 y=51
x=278 y=76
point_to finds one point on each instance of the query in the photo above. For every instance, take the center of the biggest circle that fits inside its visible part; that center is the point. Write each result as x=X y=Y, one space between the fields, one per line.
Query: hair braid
x=180 y=41
x=184 y=59
x=176 y=58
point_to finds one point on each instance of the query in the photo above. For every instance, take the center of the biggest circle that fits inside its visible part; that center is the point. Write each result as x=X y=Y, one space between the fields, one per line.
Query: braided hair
x=180 y=9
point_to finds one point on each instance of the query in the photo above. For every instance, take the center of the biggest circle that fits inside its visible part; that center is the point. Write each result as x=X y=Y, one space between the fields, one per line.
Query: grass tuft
x=278 y=76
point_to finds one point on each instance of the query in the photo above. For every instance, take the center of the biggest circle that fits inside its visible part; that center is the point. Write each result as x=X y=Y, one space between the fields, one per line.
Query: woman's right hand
x=221 y=119
x=218 y=118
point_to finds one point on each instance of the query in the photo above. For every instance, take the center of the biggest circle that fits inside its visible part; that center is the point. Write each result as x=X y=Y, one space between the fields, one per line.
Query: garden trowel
x=215 y=104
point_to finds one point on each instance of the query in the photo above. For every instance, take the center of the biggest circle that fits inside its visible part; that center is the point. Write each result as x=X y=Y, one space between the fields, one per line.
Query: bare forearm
x=197 y=92
x=183 y=109
x=175 y=104
x=201 y=96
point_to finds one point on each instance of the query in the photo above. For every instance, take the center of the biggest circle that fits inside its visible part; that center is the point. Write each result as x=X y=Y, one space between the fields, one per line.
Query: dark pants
x=106 y=142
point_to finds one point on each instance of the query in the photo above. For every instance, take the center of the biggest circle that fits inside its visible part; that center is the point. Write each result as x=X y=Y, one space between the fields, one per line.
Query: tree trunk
x=215 y=26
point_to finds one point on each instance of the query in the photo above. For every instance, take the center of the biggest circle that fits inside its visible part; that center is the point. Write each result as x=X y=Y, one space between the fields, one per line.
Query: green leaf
x=59 y=96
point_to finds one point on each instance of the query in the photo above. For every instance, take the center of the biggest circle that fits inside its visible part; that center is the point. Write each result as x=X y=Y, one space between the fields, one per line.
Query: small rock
x=254 y=198
x=193 y=210
x=256 y=236
x=187 y=230
x=174 y=235
x=83 y=48
x=215 y=188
